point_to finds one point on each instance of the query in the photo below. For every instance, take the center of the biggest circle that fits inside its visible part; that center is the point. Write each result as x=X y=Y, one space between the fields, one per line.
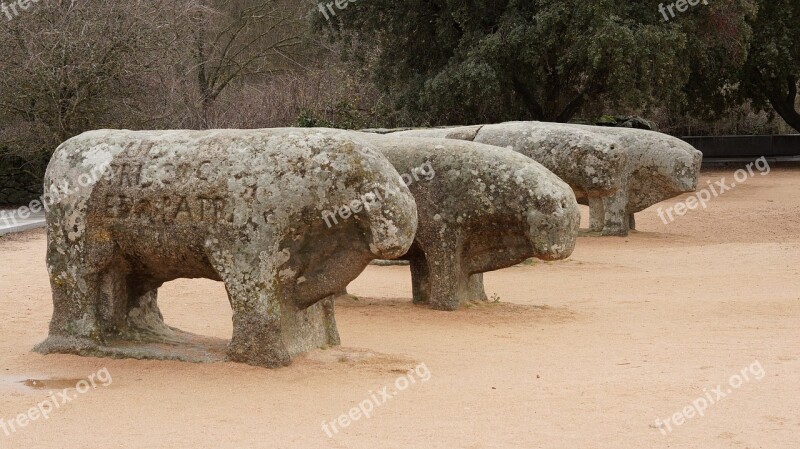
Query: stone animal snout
x=392 y=228
x=685 y=171
x=553 y=230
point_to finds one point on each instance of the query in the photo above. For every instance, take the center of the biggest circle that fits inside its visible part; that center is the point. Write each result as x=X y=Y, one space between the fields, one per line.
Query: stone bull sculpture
x=615 y=171
x=481 y=208
x=659 y=167
x=241 y=207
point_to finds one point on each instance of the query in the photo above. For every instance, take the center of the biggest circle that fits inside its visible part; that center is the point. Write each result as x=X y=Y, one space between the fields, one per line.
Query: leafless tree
x=240 y=40
x=70 y=66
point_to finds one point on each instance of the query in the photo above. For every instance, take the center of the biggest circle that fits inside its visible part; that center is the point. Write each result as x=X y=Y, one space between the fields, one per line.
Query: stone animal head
x=390 y=209
x=375 y=197
x=351 y=207
x=364 y=192
x=553 y=220
x=685 y=166
x=667 y=163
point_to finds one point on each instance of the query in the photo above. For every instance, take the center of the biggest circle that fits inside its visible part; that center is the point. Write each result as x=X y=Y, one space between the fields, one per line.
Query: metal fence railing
x=731 y=147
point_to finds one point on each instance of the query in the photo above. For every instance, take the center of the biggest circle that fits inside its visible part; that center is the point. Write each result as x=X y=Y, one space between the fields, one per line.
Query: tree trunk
x=528 y=99
x=784 y=103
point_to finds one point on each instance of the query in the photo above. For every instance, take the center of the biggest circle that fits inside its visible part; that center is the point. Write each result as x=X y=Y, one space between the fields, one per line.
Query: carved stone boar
x=238 y=206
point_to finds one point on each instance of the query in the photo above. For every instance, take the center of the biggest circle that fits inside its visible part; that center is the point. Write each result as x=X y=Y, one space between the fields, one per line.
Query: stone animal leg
x=76 y=281
x=112 y=304
x=143 y=315
x=328 y=306
x=257 y=329
x=128 y=306
x=616 y=221
x=257 y=338
x=74 y=324
x=269 y=327
x=420 y=280
x=631 y=222
x=474 y=289
x=597 y=214
x=447 y=279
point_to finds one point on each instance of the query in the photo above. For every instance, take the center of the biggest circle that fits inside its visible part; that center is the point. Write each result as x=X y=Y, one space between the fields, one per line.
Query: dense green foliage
x=772 y=72
x=450 y=61
x=477 y=61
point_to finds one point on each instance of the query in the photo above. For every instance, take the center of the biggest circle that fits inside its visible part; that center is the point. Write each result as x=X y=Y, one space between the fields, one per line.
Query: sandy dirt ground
x=583 y=353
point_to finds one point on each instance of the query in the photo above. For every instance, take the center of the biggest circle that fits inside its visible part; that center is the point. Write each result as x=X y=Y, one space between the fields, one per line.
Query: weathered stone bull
x=659 y=167
x=481 y=208
x=241 y=207
x=615 y=171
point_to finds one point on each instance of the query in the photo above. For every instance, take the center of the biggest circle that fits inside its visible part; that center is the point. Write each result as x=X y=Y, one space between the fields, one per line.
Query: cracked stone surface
x=241 y=207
